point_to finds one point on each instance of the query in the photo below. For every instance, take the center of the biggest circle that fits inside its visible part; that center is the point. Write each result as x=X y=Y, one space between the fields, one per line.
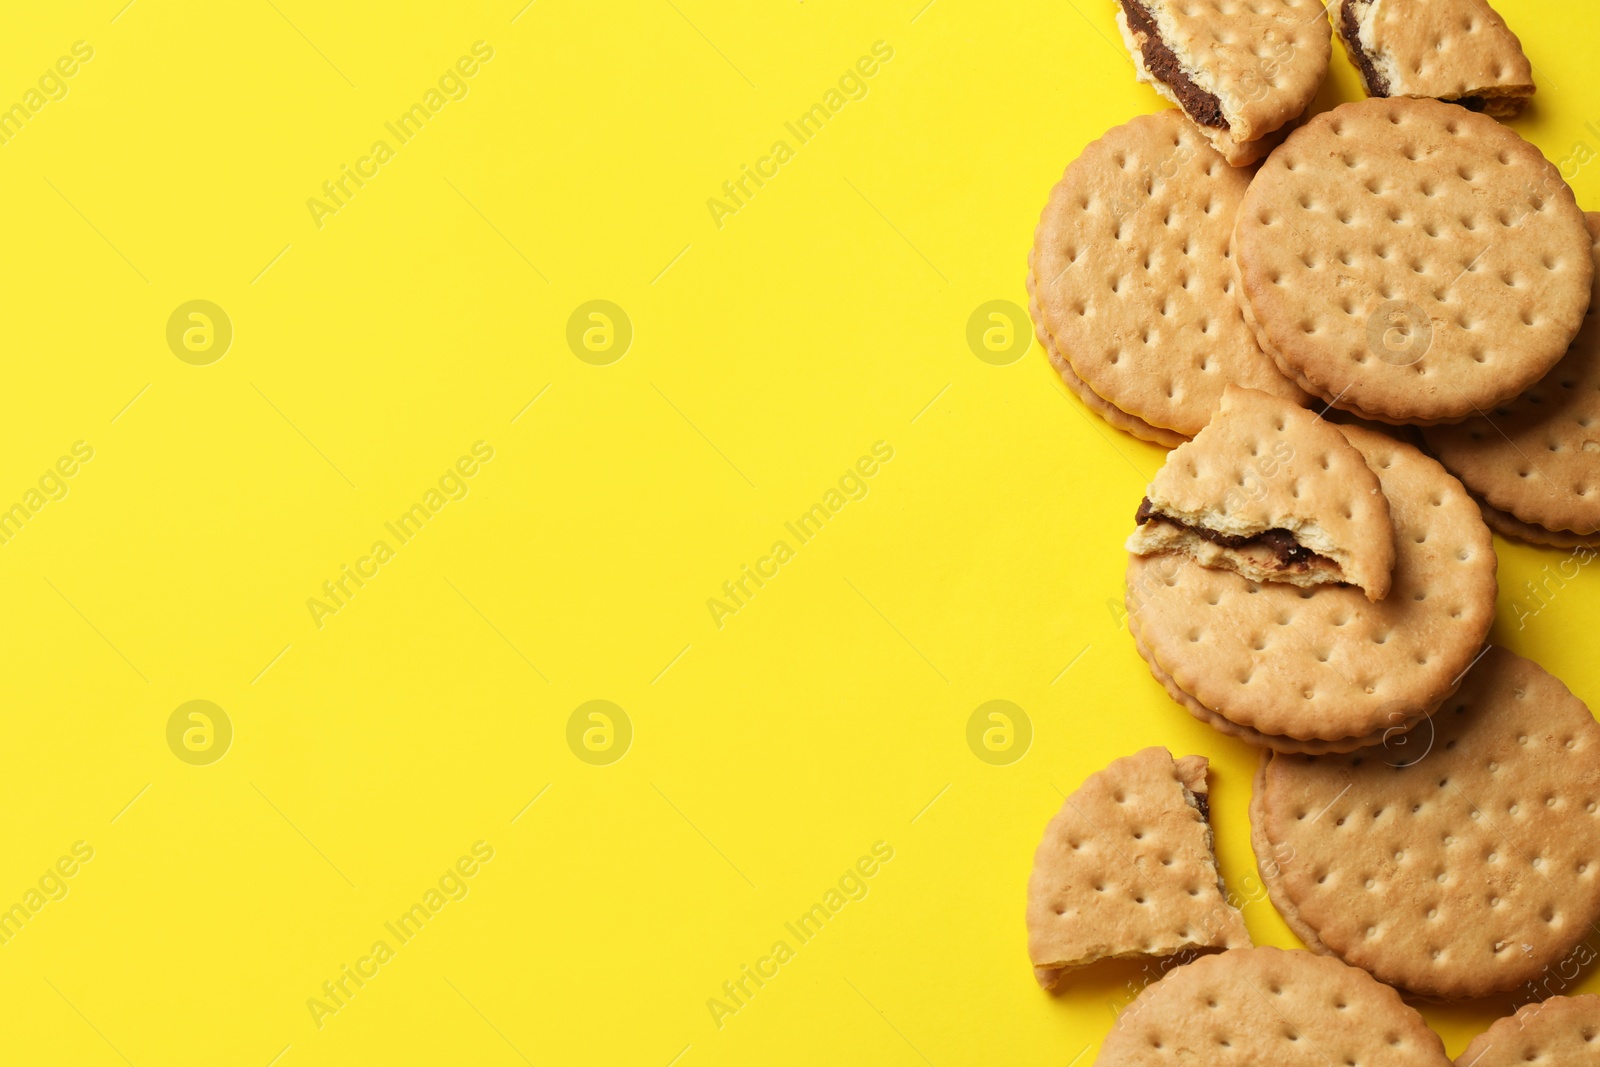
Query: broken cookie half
x=1242 y=73
x=1274 y=493
x=1460 y=51
x=1126 y=869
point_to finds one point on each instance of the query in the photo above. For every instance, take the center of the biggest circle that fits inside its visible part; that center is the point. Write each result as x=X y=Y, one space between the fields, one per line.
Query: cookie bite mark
x=1162 y=63
x=1273 y=493
x=1458 y=51
x=1275 y=550
x=1126 y=869
x=1350 y=32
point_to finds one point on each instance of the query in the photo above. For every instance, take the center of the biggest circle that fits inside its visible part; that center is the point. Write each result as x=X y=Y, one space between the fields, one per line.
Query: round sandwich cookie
x=1395 y=737
x=1130 y=277
x=1326 y=664
x=1270 y=1005
x=1240 y=71
x=1534 y=461
x=1092 y=400
x=1560 y=1032
x=1456 y=50
x=1275 y=493
x=1411 y=261
x=1470 y=867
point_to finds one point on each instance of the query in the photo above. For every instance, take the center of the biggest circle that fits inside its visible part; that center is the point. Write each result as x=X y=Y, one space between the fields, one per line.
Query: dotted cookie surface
x=1326 y=663
x=1446 y=49
x=1263 y=60
x=1558 y=1032
x=1132 y=276
x=1096 y=403
x=1270 y=1006
x=1536 y=457
x=1392 y=735
x=1265 y=464
x=1411 y=261
x=1470 y=867
x=1125 y=869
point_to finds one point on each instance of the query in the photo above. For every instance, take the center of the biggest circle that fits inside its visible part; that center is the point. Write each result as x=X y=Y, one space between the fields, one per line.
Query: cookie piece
x=1270 y=1005
x=1126 y=869
x=1274 y=493
x=1560 y=1030
x=1240 y=72
x=1130 y=274
x=1411 y=261
x=1327 y=664
x=1535 y=459
x=1459 y=51
x=1466 y=869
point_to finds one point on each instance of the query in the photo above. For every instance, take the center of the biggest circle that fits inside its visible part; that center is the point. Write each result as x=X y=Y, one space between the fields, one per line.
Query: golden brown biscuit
x=1274 y=493
x=1394 y=737
x=1270 y=1006
x=1558 y=1032
x=1240 y=71
x=1466 y=869
x=1412 y=262
x=1130 y=424
x=1326 y=664
x=1535 y=459
x=1131 y=276
x=1460 y=51
x=1126 y=869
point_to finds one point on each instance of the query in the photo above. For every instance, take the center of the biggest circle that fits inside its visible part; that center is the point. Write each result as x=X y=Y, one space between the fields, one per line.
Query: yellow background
x=768 y=354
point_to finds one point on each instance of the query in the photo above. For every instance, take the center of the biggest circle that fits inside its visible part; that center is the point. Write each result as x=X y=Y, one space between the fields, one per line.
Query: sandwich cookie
x=1412 y=262
x=1274 y=493
x=1126 y=869
x=1460 y=51
x=1131 y=284
x=1326 y=666
x=1562 y=1031
x=1240 y=72
x=1534 y=461
x=1466 y=869
x=1270 y=1005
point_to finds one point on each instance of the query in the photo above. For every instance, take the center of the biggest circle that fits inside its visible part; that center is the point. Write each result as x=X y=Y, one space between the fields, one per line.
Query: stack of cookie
x=1306 y=586
x=1364 y=353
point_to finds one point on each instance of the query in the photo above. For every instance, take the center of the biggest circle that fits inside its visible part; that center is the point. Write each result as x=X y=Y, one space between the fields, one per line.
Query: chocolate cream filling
x=1281 y=543
x=1350 y=30
x=1163 y=65
x=1377 y=84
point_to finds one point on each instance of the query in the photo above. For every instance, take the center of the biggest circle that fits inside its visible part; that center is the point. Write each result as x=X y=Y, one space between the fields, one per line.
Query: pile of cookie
x=1365 y=352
